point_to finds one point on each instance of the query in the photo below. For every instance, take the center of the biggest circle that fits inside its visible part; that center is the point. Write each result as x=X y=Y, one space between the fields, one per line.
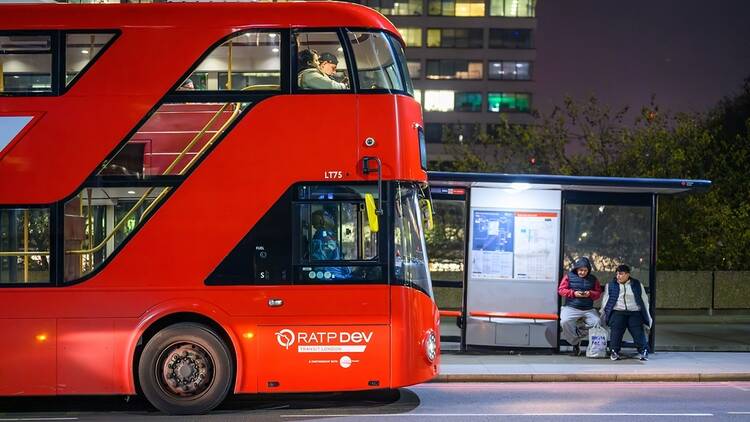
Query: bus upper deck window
x=377 y=65
x=320 y=62
x=80 y=50
x=250 y=61
x=25 y=64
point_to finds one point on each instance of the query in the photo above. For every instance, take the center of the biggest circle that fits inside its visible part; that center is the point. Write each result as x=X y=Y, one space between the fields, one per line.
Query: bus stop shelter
x=519 y=233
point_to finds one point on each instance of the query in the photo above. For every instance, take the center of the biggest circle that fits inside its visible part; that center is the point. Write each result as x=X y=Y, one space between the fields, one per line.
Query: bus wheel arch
x=181 y=323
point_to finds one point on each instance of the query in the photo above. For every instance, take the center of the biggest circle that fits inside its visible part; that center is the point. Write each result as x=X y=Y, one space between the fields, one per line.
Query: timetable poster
x=492 y=245
x=535 y=246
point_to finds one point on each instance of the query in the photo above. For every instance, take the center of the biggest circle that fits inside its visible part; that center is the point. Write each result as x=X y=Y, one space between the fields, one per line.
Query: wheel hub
x=187 y=370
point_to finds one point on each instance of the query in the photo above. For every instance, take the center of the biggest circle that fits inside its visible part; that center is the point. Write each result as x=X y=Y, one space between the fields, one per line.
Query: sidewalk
x=662 y=366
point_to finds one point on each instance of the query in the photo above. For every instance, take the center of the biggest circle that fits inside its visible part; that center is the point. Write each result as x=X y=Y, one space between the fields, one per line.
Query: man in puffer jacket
x=580 y=289
x=625 y=305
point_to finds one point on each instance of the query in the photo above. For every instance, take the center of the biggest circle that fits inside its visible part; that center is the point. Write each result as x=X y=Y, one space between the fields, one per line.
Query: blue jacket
x=613 y=292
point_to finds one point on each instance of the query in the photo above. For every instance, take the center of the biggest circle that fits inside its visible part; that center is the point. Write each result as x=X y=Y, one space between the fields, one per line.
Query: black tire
x=186 y=369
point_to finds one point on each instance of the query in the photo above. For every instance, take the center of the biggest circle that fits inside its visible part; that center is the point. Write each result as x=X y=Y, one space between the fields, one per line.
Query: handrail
x=114 y=229
x=194 y=140
x=456 y=314
x=516 y=315
x=169 y=168
x=148 y=191
x=24 y=253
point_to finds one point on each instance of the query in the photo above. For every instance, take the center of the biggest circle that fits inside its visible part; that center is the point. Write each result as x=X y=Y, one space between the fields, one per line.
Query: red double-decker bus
x=198 y=199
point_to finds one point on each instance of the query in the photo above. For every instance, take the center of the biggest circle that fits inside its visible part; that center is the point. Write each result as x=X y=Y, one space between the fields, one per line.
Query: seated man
x=580 y=289
x=311 y=76
x=625 y=305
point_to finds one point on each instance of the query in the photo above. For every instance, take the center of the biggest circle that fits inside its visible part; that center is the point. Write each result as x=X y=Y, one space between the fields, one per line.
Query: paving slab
x=661 y=366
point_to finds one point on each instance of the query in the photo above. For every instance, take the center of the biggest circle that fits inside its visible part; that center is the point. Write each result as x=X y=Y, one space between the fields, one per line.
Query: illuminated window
x=320 y=62
x=509 y=70
x=455 y=37
x=24 y=245
x=439 y=100
x=454 y=69
x=513 y=8
x=412 y=36
x=456 y=8
x=508 y=101
x=25 y=63
x=468 y=101
x=80 y=50
x=418 y=95
x=510 y=38
x=398 y=8
x=255 y=65
x=98 y=220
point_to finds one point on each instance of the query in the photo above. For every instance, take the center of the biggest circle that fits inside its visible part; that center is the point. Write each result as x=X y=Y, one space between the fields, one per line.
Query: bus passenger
x=311 y=76
x=187 y=85
x=328 y=64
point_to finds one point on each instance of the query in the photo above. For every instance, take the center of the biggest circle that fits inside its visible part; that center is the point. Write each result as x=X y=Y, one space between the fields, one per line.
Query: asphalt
x=661 y=366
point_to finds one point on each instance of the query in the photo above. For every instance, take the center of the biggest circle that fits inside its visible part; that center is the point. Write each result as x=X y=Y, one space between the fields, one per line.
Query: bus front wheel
x=185 y=368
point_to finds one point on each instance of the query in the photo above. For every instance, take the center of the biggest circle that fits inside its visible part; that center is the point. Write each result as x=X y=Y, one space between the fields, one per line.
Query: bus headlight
x=430 y=345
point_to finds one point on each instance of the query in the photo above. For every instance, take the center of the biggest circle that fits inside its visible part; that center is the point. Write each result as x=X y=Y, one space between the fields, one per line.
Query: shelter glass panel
x=609 y=235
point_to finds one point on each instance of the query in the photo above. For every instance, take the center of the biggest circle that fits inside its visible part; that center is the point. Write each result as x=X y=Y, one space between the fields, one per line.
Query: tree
x=706 y=231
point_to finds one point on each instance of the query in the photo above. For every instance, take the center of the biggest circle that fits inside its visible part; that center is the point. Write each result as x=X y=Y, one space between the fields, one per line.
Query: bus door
x=331 y=325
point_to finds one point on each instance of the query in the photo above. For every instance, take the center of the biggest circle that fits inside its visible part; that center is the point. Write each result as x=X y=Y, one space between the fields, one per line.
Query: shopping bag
x=598 y=337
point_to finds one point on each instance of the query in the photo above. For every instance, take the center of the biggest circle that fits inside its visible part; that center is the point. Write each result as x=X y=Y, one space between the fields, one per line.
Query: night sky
x=690 y=53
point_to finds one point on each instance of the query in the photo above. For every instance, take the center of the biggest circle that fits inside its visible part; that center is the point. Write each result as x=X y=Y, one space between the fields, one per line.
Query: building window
x=468 y=101
x=433 y=133
x=510 y=38
x=418 y=95
x=438 y=100
x=456 y=8
x=452 y=132
x=455 y=37
x=509 y=70
x=454 y=69
x=508 y=101
x=26 y=63
x=513 y=8
x=415 y=69
x=412 y=36
x=398 y=8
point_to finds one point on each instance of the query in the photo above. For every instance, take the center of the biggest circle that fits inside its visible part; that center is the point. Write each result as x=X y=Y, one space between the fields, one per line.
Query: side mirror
x=429 y=221
x=372 y=216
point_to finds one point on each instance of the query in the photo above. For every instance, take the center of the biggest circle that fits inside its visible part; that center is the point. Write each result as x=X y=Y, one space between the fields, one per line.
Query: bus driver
x=324 y=246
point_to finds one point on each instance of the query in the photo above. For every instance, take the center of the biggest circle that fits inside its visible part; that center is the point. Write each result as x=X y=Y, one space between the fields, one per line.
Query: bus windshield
x=409 y=240
x=377 y=66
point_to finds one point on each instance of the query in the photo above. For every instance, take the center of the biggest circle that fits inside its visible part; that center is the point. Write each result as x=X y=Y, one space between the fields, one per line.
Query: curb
x=645 y=377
